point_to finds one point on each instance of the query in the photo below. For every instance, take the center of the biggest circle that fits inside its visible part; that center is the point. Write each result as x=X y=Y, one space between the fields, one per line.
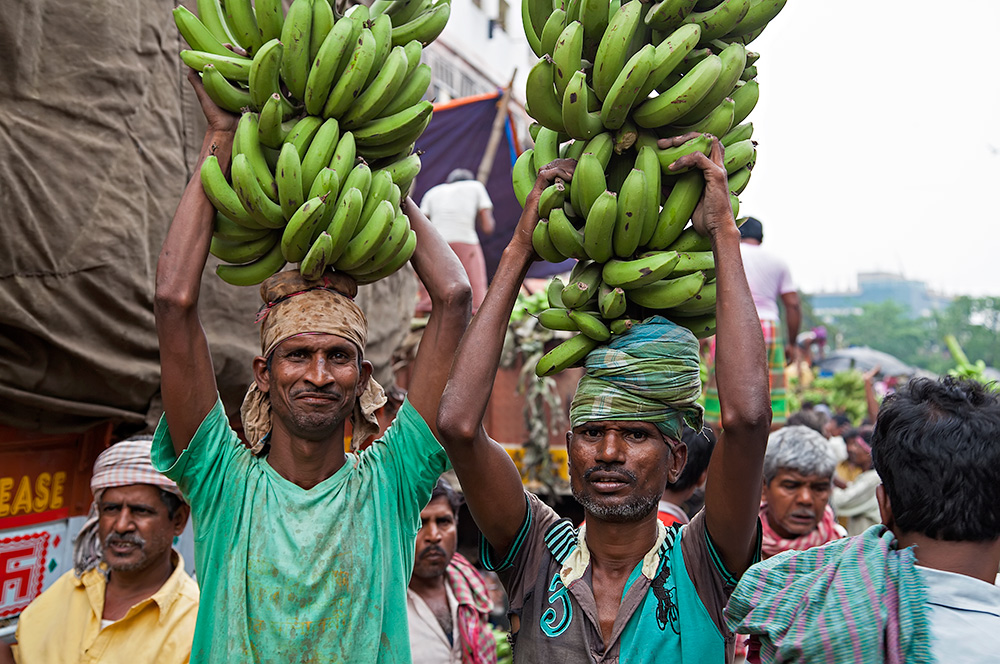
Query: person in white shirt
x=456 y=208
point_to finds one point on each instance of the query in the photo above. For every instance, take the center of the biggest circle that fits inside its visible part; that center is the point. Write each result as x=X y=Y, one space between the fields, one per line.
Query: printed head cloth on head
x=123 y=464
x=292 y=307
x=652 y=373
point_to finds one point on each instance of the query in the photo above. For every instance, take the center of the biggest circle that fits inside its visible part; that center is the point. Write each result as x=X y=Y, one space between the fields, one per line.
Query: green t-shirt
x=295 y=575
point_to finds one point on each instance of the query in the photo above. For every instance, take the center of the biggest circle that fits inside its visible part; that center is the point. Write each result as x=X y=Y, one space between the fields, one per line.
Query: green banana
x=716 y=123
x=314 y=263
x=703 y=302
x=297 y=237
x=404 y=171
x=677 y=209
x=271 y=131
x=719 y=20
x=523 y=175
x=667 y=293
x=367 y=240
x=625 y=136
x=594 y=15
x=270 y=18
x=323 y=71
x=649 y=268
x=231 y=231
x=612 y=52
x=244 y=251
x=265 y=79
x=404 y=125
x=701 y=143
x=693 y=261
x=251 y=274
x=533 y=17
x=426 y=27
x=557 y=319
x=631 y=213
x=590 y=324
x=553 y=292
x=701 y=326
x=288 y=175
x=327 y=183
x=546 y=147
x=196 y=33
x=758 y=15
x=745 y=98
x=247 y=142
x=344 y=156
x=398 y=261
x=622 y=325
x=302 y=132
x=738 y=133
x=582 y=286
x=733 y=60
x=572 y=149
x=225 y=95
x=264 y=211
x=345 y=220
x=601 y=146
x=565 y=355
x=749 y=74
x=567 y=56
x=243 y=24
x=352 y=81
x=674 y=103
x=669 y=14
x=554 y=25
x=211 y=14
x=579 y=123
x=399 y=230
x=234 y=67
x=541 y=242
x=647 y=161
x=565 y=237
x=551 y=197
x=540 y=97
x=379 y=189
x=690 y=240
x=669 y=54
x=572 y=10
x=739 y=180
x=624 y=90
x=320 y=151
x=734 y=204
x=413 y=51
x=599 y=229
x=588 y=183
x=296 y=33
x=412 y=91
x=738 y=155
x=222 y=195
x=611 y=302
x=381 y=28
x=359 y=178
x=402 y=11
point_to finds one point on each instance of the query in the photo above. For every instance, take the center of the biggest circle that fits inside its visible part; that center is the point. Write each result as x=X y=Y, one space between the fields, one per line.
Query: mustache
x=433 y=548
x=610 y=469
x=125 y=538
x=329 y=391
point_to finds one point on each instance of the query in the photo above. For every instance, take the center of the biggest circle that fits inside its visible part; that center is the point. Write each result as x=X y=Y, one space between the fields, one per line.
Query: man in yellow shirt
x=128 y=599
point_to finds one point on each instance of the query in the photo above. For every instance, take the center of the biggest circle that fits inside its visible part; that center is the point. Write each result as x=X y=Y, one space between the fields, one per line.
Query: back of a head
x=459 y=174
x=700 y=445
x=812 y=418
x=798 y=448
x=752 y=229
x=936 y=447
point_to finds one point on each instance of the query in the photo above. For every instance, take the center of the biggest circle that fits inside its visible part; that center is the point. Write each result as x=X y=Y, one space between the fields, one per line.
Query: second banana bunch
x=331 y=108
x=614 y=77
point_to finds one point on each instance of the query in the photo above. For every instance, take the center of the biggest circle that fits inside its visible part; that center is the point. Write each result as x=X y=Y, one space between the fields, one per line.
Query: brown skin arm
x=187 y=378
x=6 y=654
x=486 y=222
x=732 y=494
x=793 y=320
x=489 y=478
x=447 y=284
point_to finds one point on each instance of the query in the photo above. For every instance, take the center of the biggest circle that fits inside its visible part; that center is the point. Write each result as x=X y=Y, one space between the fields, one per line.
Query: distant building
x=878 y=287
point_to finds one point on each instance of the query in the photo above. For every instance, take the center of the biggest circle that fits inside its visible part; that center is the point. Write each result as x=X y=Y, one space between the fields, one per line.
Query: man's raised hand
x=714 y=210
x=547 y=174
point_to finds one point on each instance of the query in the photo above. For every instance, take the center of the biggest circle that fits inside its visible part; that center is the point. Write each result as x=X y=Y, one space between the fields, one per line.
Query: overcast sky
x=879 y=142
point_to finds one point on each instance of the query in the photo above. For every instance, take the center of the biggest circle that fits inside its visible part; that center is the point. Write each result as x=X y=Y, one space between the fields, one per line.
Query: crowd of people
x=692 y=535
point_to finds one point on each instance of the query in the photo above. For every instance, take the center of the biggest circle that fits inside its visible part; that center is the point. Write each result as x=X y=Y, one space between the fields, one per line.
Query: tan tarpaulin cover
x=98 y=134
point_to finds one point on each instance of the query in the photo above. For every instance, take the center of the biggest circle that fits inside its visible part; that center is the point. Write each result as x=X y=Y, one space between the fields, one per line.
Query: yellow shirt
x=63 y=624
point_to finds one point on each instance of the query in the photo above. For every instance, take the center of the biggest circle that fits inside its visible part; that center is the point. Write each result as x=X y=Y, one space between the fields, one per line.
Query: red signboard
x=22 y=570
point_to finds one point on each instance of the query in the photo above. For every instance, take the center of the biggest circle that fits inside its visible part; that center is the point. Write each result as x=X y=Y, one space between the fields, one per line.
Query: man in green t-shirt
x=622 y=588
x=302 y=551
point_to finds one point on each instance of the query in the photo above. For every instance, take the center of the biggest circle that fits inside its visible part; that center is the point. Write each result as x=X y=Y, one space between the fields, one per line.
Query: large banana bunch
x=614 y=76
x=331 y=107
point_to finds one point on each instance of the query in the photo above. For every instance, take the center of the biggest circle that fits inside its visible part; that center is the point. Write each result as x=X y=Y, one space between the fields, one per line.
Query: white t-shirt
x=768 y=277
x=453 y=208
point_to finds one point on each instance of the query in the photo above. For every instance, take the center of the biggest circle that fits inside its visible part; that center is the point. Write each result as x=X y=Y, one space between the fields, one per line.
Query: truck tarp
x=99 y=132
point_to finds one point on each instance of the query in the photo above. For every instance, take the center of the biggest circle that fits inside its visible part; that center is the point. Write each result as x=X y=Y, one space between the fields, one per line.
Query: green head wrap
x=649 y=374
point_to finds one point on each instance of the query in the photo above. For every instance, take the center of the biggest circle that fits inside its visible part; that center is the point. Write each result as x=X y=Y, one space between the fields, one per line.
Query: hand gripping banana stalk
x=616 y=81
x=331 y=107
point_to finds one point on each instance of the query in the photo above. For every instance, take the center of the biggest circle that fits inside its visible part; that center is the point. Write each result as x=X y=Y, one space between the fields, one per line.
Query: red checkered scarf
x=474 y=604
x=773 y=543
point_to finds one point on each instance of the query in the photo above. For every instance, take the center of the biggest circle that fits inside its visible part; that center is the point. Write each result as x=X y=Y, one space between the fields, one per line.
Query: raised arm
x=490 y=481
x=793 y=320
x=187 y=378
x=451 y=299
x=732 y=494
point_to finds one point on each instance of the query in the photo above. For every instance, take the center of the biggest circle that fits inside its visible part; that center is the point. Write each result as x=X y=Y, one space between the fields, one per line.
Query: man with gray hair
x=128 y=598
x=456 y=208
x=798 y=479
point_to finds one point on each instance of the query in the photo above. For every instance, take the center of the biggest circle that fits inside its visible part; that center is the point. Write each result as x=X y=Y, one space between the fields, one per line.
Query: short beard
x=131 y=538
x=636 y=508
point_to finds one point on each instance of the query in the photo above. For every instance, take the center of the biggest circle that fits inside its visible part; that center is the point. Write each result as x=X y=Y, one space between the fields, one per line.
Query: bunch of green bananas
x=613 y=77
x=331 y=107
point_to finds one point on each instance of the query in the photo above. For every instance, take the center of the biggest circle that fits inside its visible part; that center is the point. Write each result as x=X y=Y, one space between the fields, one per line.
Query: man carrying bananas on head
x=622 y=587
x=302 y=552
